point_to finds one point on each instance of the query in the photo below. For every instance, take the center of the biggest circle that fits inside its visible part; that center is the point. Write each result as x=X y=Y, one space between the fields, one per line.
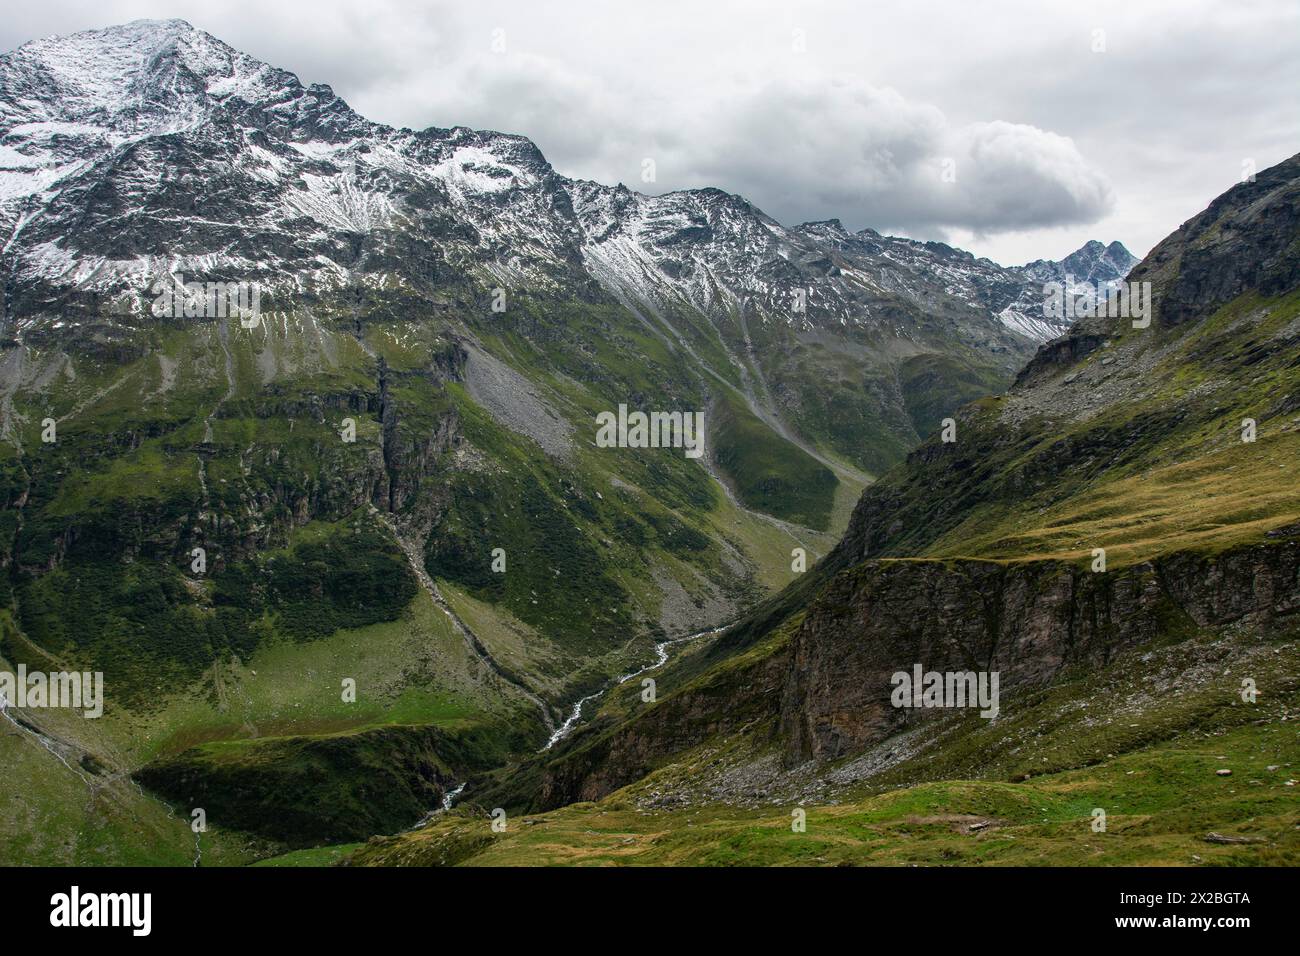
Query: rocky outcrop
x=1029 y=621
x=1244 y=240
x=827 y=691
x=1057 y=354
x=410 y=453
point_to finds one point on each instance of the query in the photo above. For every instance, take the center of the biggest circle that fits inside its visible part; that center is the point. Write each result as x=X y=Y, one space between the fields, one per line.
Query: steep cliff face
x=1028 y=621
x=414 y=445
x=1244 y=240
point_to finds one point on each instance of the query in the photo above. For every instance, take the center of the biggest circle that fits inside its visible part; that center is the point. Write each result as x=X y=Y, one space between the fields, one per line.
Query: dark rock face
x=1245 y=240
x=1028 y=621
x=1058 y=353
x=410 y=455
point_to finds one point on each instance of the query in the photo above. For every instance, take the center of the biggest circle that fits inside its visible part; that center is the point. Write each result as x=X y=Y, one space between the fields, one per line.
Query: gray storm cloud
x=870 y=157
x=805 y=149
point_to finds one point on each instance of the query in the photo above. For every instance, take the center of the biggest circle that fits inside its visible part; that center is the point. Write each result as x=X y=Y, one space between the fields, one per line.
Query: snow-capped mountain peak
x=153 y=147
x=137 y=78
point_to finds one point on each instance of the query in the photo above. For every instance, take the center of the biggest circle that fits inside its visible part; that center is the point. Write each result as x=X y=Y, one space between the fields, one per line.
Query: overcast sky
x=1017 y=130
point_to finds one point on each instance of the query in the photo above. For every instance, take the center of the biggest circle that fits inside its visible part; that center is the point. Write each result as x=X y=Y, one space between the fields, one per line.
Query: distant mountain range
x=153 y=148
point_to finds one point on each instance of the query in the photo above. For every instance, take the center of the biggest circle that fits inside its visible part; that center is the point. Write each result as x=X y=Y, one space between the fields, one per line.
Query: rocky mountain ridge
x=153 y=148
